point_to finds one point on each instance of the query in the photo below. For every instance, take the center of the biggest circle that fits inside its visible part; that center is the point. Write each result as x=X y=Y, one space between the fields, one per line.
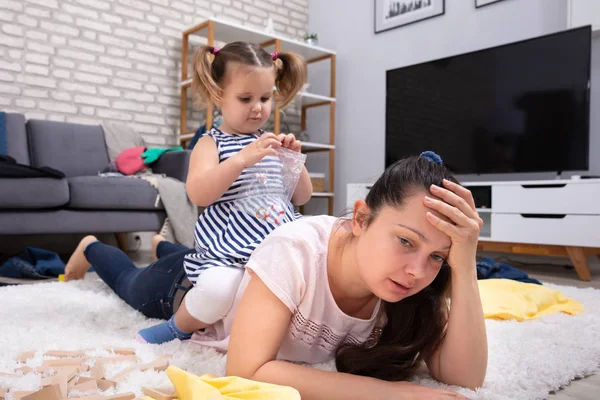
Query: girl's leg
x=162 y=247
x=149 y=290
x=206 y=303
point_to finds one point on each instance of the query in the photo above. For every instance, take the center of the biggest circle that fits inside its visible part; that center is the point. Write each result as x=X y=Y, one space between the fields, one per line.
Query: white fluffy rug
x=526 y=360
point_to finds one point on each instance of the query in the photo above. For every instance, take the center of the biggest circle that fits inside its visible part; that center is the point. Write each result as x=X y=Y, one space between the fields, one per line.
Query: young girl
x=239 y=79
x=371 y=292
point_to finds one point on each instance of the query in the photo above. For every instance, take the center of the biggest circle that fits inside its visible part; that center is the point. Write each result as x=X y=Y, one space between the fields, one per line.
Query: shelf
x=322 y=194
x=230 y=32
x=485 y=238
x=484 y=210
x=306 y=98
x=309 y=147
x=187 y=136
x=313 y=100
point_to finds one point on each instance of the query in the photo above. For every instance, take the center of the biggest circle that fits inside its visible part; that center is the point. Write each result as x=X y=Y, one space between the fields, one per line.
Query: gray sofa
x=82 y=202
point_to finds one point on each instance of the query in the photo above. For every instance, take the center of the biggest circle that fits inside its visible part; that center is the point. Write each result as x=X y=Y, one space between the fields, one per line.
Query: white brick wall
x=88 y=61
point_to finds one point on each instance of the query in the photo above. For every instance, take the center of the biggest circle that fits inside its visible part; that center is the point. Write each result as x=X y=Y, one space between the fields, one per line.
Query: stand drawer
x=569 y=198
x=570 y=230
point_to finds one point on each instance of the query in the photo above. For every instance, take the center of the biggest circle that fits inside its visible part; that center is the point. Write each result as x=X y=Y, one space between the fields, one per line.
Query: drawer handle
x=544 y=216
x=545 y=186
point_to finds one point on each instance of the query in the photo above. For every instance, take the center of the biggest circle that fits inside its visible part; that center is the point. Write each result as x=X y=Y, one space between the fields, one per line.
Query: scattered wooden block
x=23 y=357
x=117 y=359
x=83 y=379
x=57 y=380
x=25 y=370
x=125 y=351
x=122 y=396
x=160 y=364
x=158 y=394
x=88 y=397
x=104 y=384
x=8 y=374
x=48 y=393
x=64 y=362
x=67 y=373
x=123 y=374
x=84 y=387
x=2 y=393
x=20 y=394
x=83 y=368
x=63 y=354
x=97 y=371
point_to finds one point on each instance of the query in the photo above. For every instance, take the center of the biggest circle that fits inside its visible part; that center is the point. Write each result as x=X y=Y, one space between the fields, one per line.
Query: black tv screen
x=520 y=107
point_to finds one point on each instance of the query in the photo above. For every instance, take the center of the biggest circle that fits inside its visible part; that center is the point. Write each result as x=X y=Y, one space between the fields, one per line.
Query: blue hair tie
x=432 y=156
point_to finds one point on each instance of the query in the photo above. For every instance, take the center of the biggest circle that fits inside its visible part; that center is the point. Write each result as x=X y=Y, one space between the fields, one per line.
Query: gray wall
x=363 y=58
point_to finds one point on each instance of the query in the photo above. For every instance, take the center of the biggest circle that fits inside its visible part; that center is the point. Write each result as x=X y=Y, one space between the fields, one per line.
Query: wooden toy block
x=88 y=397
x=158 y=394
x=84 y=387
x=43 y=370
x=160 y=364
x=121 y=396
x=63 y=354
x=83 y=368
x=63 y=362
x=83 y=379
x=125 y=351
x=67 y=373
x=123 y=373
x=2 y=393
x=57 y=380
x=52 y=392
x=23 y=357
x=8 y=374
x=97 y=371
x=20 y=394
x=117 y=359
x=25 y=370
x=104 y=384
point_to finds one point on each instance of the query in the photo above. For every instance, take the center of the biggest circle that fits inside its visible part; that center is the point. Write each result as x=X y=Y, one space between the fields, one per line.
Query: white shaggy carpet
x=526 y=360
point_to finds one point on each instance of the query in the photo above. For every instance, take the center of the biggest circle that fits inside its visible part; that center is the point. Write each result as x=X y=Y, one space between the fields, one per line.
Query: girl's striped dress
x=229 y=230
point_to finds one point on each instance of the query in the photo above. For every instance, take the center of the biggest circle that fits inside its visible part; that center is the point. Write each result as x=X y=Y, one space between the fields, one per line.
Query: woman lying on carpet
x=370 y=292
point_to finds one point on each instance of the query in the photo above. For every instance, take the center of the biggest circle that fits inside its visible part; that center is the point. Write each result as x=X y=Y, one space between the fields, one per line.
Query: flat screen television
x=519 y=107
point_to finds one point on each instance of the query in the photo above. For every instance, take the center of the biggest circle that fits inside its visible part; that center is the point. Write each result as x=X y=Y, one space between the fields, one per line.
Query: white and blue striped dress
x=225 y=234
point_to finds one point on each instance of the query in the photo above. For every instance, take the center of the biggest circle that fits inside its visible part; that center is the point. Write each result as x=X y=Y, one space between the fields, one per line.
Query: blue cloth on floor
x=3 y=142
x=33 y=264
x=489 y=268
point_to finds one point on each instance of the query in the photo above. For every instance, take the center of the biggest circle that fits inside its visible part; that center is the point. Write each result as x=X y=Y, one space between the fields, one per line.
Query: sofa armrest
x=173 y=164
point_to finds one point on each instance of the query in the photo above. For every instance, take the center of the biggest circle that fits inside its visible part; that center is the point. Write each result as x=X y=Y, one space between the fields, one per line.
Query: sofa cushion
x=16 y=138
x=33 y=193
x=112 y=193
x=75 y=149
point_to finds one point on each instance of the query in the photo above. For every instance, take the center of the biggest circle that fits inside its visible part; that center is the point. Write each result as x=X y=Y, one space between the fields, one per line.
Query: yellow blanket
x=509 y=299
x=207 y=387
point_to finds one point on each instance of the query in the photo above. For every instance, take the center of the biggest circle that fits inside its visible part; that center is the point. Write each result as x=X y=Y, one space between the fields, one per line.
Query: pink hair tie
x=215 y=50
x=274 y=55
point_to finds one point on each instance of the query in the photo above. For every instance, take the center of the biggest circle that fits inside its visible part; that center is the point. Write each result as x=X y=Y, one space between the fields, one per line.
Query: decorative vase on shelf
x=311 y=39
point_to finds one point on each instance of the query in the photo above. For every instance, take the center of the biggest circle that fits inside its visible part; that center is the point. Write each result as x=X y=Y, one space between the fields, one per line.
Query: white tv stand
x=550 y=217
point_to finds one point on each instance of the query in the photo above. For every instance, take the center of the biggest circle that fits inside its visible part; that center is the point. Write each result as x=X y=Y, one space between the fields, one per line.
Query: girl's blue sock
x=163 y=333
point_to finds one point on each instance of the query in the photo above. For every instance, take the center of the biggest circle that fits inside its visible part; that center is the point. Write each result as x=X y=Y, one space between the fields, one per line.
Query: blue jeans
x=150 y=290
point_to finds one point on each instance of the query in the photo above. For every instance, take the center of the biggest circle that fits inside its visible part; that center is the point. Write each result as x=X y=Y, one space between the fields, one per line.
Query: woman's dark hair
x=210 y=66
x=415 y=325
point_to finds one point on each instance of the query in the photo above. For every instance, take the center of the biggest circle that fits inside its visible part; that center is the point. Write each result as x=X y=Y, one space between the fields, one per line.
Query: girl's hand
x=289 y=141
x=265 y=145
x=410 y=391
x=458 y=206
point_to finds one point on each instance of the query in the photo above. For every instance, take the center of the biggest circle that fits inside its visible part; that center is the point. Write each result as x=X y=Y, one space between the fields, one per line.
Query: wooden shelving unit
x=222 y=31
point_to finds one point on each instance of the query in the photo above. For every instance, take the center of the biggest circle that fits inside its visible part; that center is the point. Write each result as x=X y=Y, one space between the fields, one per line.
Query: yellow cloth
x=207 y=387
x=510 y=299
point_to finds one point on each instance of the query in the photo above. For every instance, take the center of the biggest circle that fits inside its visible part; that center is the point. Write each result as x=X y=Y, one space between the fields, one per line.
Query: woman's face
x=400 y=253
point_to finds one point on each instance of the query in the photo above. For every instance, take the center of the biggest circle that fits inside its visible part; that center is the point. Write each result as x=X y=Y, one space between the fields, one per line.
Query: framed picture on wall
x=483 y=3
x=391 y=14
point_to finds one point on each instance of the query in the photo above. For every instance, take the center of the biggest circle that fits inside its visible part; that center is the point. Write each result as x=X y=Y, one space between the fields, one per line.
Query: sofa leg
x=122 y=241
